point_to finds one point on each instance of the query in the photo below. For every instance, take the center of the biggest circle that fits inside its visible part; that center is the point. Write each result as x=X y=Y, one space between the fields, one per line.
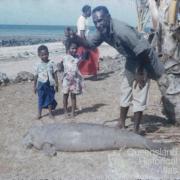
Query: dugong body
x=76 y=137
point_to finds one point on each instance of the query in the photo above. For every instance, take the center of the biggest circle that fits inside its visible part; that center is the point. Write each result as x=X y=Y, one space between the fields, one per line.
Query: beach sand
x=98 y=104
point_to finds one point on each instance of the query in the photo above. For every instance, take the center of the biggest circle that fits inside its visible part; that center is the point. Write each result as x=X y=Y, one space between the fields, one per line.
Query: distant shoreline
x=10 y=41
x=22 y=35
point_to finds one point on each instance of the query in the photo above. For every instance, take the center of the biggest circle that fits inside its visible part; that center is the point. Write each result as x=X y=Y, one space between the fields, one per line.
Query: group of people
x=142 y=64
x=46 y=79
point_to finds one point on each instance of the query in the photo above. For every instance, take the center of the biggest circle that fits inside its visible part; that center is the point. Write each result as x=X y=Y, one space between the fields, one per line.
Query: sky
x=60 y=12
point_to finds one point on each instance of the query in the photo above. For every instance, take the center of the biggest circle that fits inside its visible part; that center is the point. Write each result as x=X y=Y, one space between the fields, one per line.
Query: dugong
x=78 y=137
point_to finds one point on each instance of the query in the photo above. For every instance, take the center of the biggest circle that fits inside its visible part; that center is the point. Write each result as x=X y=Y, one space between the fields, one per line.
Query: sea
x=54 y=31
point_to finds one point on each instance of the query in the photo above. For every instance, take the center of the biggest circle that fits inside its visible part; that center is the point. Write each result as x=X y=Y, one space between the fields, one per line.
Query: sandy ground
x=98 y=104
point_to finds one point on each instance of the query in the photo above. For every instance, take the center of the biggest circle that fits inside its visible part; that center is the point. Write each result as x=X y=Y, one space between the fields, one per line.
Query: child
x=45 y=81
x=72 y=80
x=90 y=57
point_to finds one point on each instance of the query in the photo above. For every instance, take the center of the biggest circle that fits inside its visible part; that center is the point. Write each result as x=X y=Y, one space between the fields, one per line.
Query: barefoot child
x=45 y=81
x=72 y=80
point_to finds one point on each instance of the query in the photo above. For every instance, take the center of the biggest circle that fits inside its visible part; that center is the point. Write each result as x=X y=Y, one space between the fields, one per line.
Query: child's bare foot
x=66 y=115
x=39 y=114
x=141 y=132
x=120 y=126
x=73 y=114
x=78 y=108
x=38 y=117
x=51 y=116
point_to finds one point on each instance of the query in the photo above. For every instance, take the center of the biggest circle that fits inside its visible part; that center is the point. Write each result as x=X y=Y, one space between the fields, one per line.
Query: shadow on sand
x=94 y=108
x=100 y=76
x=58 y=111
x=150 y=123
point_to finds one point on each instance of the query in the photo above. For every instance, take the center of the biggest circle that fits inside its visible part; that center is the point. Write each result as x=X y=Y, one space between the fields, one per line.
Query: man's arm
x=91 y=42
x=145 y=55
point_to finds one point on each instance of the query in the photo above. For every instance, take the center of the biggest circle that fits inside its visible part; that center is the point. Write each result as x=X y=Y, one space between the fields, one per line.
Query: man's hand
x=140 y=79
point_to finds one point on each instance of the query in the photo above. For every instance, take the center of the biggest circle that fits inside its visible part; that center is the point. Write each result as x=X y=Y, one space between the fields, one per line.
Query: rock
x=3 y=79
x=24 y=76
x=174 y=85
x=171 y=108
x=26 y=53
x=111 y=64
x=174 y=70
x=21 y=41
x=170 y=63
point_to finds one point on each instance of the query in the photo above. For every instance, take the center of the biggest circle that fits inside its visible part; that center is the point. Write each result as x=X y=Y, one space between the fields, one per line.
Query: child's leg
x=50 y=111
x=123 y=116
x=65 y=103
x=39 y=105
x=39 y=113
x=73 y=102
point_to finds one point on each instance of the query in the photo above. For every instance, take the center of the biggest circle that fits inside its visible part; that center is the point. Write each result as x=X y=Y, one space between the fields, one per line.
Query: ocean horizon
x=53 y=31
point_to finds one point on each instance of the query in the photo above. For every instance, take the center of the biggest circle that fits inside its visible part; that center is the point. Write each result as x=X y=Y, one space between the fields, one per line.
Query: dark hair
x=69 y=43
x=85 y=8
x=42 y=47
x=101 y=8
